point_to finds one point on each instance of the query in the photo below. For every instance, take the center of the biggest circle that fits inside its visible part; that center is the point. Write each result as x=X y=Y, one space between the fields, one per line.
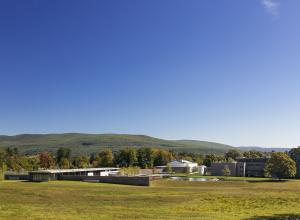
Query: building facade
x=235 y=168
x=255 y=167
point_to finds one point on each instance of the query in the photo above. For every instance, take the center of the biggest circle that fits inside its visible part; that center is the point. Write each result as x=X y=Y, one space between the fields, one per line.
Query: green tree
x=162 y=157
x=3 y=169
x=280 y=165
x=226 y=171
x=12 y=159
x=93 y=157
x=80 y=162
x=63 y=156
x=13 y=164
x=106 y=158
x=126 y=157
x=129 y=171
x=11 y=152
x=169 y=168
x=233 y=154
x=295 y=155
x=185 y=156
x=253 y=154
x=30 y=163
x=64 y=163
x=198 y=158
x=2 y=158
x=209 y=159
x=15 y=151
x=145 y=157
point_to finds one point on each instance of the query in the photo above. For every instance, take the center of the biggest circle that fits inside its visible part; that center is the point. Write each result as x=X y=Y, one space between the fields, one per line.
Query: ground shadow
x=276 y=217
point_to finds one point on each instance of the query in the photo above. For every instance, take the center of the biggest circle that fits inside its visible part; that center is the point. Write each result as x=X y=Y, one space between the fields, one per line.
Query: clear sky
x=216 y=70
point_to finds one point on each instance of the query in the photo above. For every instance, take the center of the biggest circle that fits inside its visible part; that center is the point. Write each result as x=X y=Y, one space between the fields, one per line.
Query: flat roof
x=75 y=170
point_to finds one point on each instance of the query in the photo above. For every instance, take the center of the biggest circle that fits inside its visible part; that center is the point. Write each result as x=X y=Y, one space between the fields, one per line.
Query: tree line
x=143 y=157
x=128 y=157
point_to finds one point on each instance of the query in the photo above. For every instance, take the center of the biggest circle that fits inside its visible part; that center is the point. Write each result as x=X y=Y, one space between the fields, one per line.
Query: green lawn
x=165 y=199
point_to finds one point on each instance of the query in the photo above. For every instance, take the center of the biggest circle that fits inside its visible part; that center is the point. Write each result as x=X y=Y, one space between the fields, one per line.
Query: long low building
x=57 y=174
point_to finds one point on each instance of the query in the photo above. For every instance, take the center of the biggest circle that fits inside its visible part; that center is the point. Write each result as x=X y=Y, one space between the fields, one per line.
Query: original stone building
x=255 y=167
x=250 y=167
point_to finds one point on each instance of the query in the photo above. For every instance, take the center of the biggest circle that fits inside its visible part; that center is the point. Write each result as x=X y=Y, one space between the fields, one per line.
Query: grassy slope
x=87 y=143
x=165 y=199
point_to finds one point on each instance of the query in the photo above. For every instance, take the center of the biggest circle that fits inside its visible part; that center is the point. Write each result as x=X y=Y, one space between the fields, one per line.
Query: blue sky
x=224 y=71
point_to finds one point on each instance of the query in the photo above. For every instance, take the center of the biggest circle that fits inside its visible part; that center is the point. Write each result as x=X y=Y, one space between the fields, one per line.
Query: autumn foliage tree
x=46 y=160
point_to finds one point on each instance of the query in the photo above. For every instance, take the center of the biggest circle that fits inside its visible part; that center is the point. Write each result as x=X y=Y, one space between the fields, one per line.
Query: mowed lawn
x=165 y=199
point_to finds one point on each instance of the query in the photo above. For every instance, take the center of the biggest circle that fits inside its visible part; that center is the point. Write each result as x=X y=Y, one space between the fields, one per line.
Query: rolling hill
x=89 y=143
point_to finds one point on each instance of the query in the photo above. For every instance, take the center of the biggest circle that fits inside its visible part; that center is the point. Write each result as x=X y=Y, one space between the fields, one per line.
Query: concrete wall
x=125 y=180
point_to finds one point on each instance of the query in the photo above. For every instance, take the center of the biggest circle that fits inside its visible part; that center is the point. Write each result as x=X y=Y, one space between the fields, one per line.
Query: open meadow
x=165 y=199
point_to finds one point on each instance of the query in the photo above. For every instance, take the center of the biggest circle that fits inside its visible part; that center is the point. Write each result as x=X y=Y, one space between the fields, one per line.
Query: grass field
x=165 y=199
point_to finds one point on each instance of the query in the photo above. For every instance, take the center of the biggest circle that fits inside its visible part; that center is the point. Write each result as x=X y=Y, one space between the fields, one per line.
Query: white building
x=183 y=166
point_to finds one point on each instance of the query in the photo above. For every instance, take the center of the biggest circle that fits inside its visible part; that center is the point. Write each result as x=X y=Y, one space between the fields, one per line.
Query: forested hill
x=89 y=143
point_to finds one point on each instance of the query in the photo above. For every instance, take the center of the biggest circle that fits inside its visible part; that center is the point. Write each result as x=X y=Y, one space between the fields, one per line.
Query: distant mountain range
x=91 y=143
x=264 y=149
